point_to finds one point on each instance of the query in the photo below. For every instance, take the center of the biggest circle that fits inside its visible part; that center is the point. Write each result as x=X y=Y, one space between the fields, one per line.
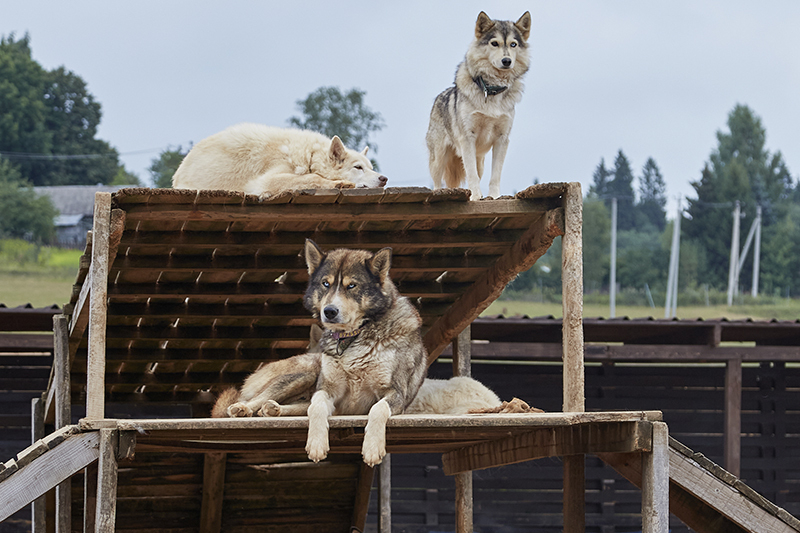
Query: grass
x=36 y=275
x=784 y=311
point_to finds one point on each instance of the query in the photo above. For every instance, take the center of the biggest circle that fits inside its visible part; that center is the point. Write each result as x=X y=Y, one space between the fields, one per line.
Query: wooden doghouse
x=182 y=293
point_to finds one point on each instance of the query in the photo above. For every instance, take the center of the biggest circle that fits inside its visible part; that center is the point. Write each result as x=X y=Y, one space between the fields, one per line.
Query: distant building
x=75 y=205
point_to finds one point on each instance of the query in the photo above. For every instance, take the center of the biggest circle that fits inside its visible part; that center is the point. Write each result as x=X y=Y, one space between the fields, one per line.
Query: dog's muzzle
x=330 y=312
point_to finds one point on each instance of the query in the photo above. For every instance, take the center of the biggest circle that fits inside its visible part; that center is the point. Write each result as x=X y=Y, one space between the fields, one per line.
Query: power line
x=57 y=157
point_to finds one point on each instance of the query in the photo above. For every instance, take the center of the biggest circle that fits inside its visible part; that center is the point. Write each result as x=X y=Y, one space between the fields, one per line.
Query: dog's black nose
x=330 y=312
x=506 y=62
x=382 y=180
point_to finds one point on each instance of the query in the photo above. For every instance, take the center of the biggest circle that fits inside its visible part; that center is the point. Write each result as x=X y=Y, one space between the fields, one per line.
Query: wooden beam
x=655 y=483
x=613 y=437
x=572 y=299
x=96 y=364
x=106 y=512
x=342 y=212
x=39 y=505
x=89 y=497
x=574 y=499
x=462 y=366
x=733 y=416
x=61 y=372
x=213 y=492
x=702 y=500
x=524 y=253
x=38 y=477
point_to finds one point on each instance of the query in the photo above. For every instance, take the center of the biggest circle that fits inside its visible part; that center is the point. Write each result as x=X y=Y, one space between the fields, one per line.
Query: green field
x=43 y=276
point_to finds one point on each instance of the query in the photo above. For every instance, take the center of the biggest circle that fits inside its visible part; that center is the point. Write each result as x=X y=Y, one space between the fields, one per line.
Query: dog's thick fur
x=262 y=160
x=285 y=387
x=476 y=114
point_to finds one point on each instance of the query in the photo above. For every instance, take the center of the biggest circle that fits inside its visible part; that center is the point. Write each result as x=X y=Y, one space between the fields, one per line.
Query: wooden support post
x=462 y=366
x=655 y=483
x=98 y=307
x=462 y=353
x=733 y=416
x=39 y=505
x=572 y=333
x=213 y=492
x=89 y=497
x=63 y=414
x=366 y=475
x=106 y=512
x=385 y=495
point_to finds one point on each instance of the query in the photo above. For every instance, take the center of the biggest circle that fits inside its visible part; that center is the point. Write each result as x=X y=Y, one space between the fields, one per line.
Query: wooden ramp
x=182 y=293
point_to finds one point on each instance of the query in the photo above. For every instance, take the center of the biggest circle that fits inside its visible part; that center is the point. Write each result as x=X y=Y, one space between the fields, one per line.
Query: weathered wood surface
x=106 y=512
x=618 y=437
x=213 y=492
x=38 y=477
x=95 y=380
x=706 y=497
x=655 y=482
x=366 y=474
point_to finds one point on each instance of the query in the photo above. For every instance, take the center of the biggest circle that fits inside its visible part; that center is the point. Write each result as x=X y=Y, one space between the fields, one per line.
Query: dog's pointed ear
x=314 y=336
x=314 y=256
x=483 y=24
x=338 y=152
x=380 y=263
x=524 y=25
x=364 y=151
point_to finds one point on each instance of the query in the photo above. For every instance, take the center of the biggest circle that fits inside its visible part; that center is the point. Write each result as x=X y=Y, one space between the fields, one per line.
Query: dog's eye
x=495 y=44
x=359 y=167
x=326 y=284
x=351 y=286
x=513 y=45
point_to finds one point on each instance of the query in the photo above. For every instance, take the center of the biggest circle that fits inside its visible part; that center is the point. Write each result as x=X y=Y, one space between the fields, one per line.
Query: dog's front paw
x=317 y=448
x=270 y=408
x=345 y=185
x=239 y=410
x=374 y=449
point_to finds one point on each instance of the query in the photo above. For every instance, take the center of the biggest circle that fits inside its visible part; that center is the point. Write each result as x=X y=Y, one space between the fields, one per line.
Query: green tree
x=596 y=240
x=739 y=169
x=652 y=196
x=621 y=188
x=599 y=187
x=48 y=122
x=331 y=112
x=164 y=166
x=26 y=215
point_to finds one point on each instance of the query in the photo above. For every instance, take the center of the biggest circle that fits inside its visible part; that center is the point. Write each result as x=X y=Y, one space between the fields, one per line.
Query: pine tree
x=652 y=196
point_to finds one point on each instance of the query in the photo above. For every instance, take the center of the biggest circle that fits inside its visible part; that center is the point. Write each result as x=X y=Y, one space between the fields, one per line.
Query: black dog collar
x=489 y=90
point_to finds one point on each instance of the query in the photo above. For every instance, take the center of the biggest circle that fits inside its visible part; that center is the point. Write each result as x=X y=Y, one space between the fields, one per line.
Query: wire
x=56 y=157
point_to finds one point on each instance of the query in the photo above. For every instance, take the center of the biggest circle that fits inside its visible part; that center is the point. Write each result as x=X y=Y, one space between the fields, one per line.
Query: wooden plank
x=61 y=371
x=462 y=353
x=95 y=381
x=39 y=477
x=213 y=492
x=655 y=482
x=701 y=500
x=574 y=494
x=486 y=289
x=366 y=475
x=350 y=212
x=733 y=416
x=106 y=512
x=618 y=437
x=463 y=502
x=39 y=505
x=89 y=497
x=572 y=299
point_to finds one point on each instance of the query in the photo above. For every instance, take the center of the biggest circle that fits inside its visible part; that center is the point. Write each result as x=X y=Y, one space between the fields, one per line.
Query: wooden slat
x=655 y=482
x=213 y=492
x=39 y=505
x=366 y=475
x=733 y=416
x=534 y=243
x=38 y=477
x=95 y=387
x=106 y=512
x=335 y=212
x=550 y=442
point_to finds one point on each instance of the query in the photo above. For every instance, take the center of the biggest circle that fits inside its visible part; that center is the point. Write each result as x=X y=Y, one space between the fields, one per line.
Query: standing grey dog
x=476 y=114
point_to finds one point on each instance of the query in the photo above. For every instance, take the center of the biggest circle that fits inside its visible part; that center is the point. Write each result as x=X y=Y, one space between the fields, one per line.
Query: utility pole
x=613 y=281
x=756 y=255
x=734 y=253
x=671 y=304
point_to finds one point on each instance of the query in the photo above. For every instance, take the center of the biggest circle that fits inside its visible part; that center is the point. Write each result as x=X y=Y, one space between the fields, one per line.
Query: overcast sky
x=655 y=79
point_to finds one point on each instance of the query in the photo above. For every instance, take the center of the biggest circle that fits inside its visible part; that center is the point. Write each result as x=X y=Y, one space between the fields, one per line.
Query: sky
x=654 y=79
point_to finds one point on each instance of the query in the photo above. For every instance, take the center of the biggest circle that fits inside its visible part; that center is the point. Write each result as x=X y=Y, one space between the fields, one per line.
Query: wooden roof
x=204 y=286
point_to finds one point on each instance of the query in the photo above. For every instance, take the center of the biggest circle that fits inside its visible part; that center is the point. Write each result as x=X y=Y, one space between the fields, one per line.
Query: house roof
x=75 y=199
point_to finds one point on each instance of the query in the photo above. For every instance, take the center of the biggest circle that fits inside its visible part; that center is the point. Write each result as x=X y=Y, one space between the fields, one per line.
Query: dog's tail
x=226 y=398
